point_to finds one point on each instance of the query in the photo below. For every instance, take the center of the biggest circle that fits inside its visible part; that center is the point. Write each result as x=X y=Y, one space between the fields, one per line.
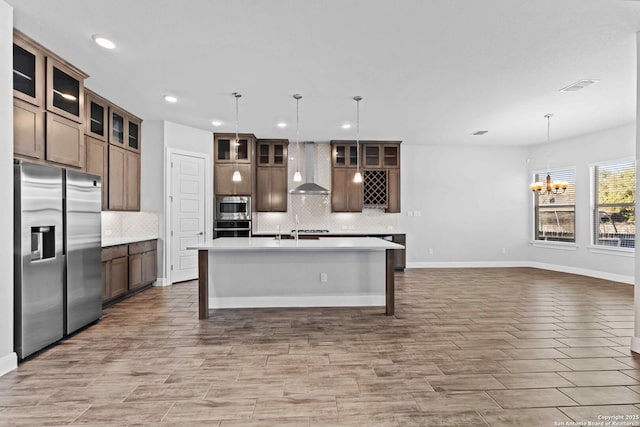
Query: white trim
x=612 y=250
x=549 y=244
x=468 y=264
x=299 y=301
x=8 y=363
x=635 y=344
x=161 y=281
x=208 y=195
x=585 y=272
x=543 y=266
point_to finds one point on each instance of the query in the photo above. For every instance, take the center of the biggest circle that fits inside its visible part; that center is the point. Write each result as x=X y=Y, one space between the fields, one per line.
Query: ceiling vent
x=480 y=132
x=580 y=84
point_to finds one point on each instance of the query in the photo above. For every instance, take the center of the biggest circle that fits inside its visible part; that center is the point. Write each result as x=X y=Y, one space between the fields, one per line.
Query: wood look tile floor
x=467 y=347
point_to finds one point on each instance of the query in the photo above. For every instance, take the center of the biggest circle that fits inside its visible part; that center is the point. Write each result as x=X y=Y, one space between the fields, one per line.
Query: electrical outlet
x=417 y=213
x=504 y=250
x=430 y=251
x=323 y=277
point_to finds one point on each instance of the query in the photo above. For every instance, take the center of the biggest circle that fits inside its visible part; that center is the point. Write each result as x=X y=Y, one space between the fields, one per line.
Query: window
x=614 y=219
x=555 y=214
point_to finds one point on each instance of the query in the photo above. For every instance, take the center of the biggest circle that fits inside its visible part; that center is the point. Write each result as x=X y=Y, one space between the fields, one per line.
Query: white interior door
x=187 y=214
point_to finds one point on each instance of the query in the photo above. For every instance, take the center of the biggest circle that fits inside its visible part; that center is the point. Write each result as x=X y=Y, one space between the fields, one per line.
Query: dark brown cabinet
x=65 y=141
x=229 y=158
x=346 y=195
x=97 y=163
x=115 y=271
x=271 y=175
x=124 y=179
x=380 y=168
x=227 y=151
x=28 y=130
x=142 y=264
x=128 y=268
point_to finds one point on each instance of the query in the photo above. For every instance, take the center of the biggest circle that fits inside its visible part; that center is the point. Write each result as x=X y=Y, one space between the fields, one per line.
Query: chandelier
x=548 y=186
x=357 y=178
x=236 y=177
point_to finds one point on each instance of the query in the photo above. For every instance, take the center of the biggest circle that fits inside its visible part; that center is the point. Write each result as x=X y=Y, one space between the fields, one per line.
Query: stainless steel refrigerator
x=57 y=282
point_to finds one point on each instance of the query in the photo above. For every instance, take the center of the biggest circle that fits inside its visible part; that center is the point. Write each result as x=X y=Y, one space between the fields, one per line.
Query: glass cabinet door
x=353 y=155
x=371 y=156
x=224 y=149
x=65 y=90
x=117 y=128
x=96 y=118
x=278 y=154
x=242 y=150
x=340 y=155
x=263 y=154
x=391 y=157
x=134 y=135
x=24 y=71
x=28 y=72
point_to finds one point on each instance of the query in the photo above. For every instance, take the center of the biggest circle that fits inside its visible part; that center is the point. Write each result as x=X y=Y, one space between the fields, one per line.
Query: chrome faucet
x=296 y=231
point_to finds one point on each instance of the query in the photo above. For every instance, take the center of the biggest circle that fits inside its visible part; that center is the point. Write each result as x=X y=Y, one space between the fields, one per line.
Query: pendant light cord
x=358 y=99
x=297 y=98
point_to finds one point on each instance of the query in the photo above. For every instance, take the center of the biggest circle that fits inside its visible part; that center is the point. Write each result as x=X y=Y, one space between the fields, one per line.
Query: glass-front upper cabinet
x=116 y=126
x=65 y=90
x=28 y=71
x=133 y=133
x=344 y=154
x=272 y=152
x=226 y=149
x=96 y=116
x=371 y=156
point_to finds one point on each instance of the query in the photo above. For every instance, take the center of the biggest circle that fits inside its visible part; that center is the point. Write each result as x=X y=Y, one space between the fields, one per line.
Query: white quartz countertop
x=113 y=241
x=354 y=233
x=224 y=244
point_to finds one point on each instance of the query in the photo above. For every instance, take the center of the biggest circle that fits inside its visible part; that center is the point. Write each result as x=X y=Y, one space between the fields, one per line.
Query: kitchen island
x=245 y=272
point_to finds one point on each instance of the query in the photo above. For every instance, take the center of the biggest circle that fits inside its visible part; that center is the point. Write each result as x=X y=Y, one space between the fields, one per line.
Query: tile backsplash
x=129 y=224
x=314 y=212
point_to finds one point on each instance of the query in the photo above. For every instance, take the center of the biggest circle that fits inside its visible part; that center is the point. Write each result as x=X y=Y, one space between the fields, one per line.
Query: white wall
x=471 y=202
x=159 y=137
x=8 y=360
x=582 y=152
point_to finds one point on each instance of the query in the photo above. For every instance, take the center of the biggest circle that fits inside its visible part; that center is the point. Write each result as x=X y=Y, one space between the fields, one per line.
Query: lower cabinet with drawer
x=115 y=271
x=127 y=268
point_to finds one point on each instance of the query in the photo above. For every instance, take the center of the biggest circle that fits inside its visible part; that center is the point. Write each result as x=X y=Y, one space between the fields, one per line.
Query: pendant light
x=297 y=177
x=236 y=173
x=357 y=178
x=548 y=187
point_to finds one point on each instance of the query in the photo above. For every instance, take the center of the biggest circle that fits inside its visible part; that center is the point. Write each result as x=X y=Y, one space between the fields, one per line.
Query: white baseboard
x=543 y=266
x=161 y=281
x=8 y=363
x=630 y=280
x=300 y=301
x=469 y=264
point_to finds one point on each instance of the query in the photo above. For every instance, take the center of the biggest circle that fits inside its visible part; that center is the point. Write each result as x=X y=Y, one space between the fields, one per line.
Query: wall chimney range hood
x=309 y=187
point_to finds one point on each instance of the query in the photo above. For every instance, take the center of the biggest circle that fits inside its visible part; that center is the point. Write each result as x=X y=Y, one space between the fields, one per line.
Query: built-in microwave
x=233 y=207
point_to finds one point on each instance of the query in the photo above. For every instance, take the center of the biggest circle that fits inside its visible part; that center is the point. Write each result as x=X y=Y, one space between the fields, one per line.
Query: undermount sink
x=301 y=237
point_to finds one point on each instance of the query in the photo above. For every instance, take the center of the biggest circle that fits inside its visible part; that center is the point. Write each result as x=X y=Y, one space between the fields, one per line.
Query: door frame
x=208 y=200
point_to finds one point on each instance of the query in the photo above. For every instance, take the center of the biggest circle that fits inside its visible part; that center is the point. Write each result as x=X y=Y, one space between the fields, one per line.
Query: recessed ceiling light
x=104 y=42
x=216 y=123
x=170 y=98
x=282 y=125
x=346 y=126
x=480 y=132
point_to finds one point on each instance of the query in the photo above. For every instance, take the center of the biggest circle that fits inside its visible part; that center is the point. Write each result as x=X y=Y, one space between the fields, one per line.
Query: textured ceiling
x=429 y=72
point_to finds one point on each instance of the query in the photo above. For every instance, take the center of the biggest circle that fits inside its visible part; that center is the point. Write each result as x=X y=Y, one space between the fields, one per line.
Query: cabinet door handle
x=200 y=233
